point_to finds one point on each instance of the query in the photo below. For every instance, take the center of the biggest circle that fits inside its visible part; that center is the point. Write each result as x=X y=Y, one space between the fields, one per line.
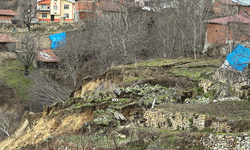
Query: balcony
x=43 y=10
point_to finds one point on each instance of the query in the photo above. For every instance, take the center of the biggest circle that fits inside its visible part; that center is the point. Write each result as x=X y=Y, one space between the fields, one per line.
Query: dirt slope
x=168 y=73
x=37 y=127
x=72 y=115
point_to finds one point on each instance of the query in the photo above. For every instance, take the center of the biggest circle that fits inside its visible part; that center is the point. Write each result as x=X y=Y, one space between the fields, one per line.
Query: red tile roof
x=238 y=18
x=7 y=12
x=47 y=55
x=44 y=2
x=6 y=38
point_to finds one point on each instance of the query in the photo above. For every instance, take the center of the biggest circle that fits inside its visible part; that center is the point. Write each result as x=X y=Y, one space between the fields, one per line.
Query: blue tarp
x=239 y=58
x=58 y=40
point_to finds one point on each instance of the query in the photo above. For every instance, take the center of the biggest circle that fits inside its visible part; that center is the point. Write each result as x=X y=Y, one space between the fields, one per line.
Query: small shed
x=7 y=42
x=6 y=15
x=46 y=59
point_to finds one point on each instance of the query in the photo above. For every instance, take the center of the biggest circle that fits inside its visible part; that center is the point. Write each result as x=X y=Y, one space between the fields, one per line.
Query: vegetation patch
x=169 y=122
x=13 y=74
x=71 y=101
x=136 y=78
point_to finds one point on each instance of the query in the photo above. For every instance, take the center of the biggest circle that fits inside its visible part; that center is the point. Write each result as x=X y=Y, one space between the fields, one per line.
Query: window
x=55 y=0
x=44 y=15
x=55 y=7
x=43 y=6
x=66 y=15
x=66 y=6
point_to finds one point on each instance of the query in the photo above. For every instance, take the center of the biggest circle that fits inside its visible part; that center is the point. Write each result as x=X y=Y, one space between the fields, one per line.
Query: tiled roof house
x=88 y=8
x=6 y=41
x=53 y=10
x=231 y=7
x=219 y=30
x=6 y=15
x=46 y=59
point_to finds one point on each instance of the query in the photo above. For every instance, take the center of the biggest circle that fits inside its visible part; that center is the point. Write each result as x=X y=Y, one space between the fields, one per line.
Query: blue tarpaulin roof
x=57 y=40
x=239 y=58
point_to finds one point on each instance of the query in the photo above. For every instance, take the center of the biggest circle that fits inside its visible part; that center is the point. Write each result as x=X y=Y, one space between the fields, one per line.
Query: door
x=52 y=18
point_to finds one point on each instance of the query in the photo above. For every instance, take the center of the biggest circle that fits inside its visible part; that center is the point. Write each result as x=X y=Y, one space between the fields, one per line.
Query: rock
x=205 y=84
x=243 y=148
x=211 y=136
x=118 y=91
x=101 y=121
x=237 y=147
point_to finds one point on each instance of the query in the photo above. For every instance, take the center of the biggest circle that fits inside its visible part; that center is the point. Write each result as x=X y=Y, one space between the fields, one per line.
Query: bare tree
x=47 y=91
x=4 y=123
x=118 y=32
x=179 y=26
x=72 y=54
x=200 y=10
x=26 y=55
x=27 y=12
x=8 y=4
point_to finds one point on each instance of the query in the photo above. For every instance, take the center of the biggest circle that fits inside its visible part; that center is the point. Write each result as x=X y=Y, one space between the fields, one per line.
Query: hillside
x=113 y=111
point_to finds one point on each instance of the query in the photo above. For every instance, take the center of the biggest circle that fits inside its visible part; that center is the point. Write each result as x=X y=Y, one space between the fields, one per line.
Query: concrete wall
x=69 y=11
x=58 y=4
x=7 y=47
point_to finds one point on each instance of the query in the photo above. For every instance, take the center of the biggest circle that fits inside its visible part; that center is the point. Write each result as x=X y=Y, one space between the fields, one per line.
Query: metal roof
x=47 y=55
x=7 y=12
x=238 y=18
x=242 y=2
x=6 y=38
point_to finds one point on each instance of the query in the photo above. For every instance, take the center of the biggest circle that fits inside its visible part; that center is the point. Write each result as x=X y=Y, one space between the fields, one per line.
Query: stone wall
x=160 y=118
x=216 y=142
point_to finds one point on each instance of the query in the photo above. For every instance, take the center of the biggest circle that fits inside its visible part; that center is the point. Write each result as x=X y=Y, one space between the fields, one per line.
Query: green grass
x=13 y=74
x=177 y=69
x=195 y=73
x=71 y=101
x=136 y=78
x=78 y=105
x=123 y=99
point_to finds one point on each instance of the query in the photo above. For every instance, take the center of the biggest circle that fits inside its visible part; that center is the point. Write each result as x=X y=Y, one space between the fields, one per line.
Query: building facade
x=231 y=7
x=54 y=10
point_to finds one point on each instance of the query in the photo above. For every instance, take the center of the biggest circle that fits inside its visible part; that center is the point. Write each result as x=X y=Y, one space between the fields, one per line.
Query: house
x=53 y=10
x=6 y=15
x=7 y=43
x=88 y=8
x=227 y=30
x=46 y=59
x=231 y=7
